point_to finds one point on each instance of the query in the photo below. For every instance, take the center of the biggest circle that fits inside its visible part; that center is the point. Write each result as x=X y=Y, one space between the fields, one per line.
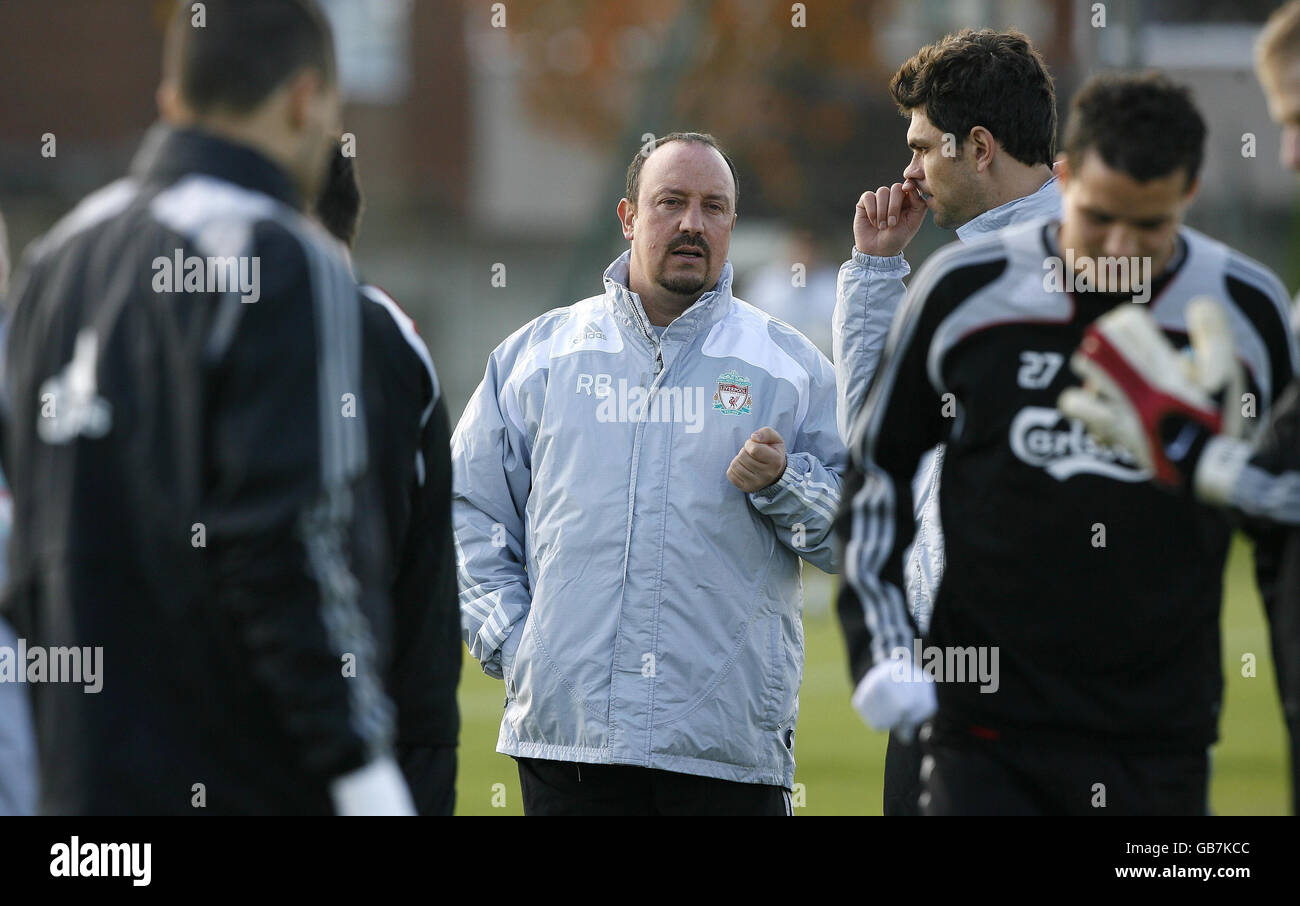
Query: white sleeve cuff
x=377 y=788
x=1219 y=468
x=879 y=262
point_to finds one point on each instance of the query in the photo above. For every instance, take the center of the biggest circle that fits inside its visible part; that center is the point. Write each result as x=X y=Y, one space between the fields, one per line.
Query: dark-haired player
x=1099 y=594
x=982 y=132
x=1258 y=480
x=190 y=485
x=410 y=441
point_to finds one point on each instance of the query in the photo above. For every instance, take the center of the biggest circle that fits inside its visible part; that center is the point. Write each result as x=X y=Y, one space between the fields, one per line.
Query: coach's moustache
x=696 y=244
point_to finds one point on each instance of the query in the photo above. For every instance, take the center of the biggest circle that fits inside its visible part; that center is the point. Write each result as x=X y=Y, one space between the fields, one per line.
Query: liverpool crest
x=732 y=397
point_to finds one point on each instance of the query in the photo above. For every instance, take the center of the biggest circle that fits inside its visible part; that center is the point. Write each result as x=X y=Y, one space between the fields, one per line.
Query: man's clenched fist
x=886 y=220
x=760 y=461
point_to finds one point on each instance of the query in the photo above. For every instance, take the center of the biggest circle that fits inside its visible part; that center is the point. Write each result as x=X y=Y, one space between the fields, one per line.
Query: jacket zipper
x=645 y=330
x=653 y=385
x=659 y=368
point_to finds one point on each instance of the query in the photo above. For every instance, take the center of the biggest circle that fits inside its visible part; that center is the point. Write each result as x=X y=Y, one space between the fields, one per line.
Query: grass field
x=840 y=761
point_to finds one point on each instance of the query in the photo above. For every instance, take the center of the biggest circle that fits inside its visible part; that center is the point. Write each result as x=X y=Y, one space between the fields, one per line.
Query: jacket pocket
x=774 y=676
x=509 y=652
x=785 y=672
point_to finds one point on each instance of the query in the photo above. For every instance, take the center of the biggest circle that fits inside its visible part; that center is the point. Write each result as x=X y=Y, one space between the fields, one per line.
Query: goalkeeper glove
x=1140 y=393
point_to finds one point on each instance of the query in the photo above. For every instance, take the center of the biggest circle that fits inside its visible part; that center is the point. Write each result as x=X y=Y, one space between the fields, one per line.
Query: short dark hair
x=339 y=205
x=994 y=79
x=703 y=138
x=1140 y=123
x=245 y=50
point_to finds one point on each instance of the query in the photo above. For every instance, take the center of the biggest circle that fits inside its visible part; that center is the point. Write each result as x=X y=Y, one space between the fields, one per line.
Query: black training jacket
x=194 y=461
x=1099 y=591
x=1264 y=487
x=411 y=443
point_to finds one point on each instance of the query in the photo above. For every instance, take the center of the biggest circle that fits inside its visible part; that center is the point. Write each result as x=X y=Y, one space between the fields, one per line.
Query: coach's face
x=945 y=176
x=680 y=225
x=1109 y=214
x=1281 y=82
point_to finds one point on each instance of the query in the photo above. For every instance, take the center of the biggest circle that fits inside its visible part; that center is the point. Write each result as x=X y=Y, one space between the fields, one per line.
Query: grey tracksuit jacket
x=868 y=295
x=642 y=609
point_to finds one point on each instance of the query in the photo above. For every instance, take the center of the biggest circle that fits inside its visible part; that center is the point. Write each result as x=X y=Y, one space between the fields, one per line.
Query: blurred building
x=492 y=138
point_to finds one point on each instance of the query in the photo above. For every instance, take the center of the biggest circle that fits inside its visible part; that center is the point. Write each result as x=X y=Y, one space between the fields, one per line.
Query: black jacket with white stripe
x=1099 y=592
x=410 y=442
x=191 y=492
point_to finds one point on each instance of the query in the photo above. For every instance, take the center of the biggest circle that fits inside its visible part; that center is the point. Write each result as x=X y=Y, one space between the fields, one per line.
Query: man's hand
x=1139 y=392
x=896 y=695
x=377 y=788
x=886 y=220
x=760 y=461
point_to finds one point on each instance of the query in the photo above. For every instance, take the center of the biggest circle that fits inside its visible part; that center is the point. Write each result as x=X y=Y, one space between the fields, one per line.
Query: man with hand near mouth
x=983 y=136
x=1110 y=680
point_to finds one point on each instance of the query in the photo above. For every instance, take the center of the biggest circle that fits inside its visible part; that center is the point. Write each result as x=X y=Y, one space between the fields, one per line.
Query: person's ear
x=171 y=109
x=1062 y=170
x=626 y=214
x=303 y=92
x=983 y=148
x=1192 y=191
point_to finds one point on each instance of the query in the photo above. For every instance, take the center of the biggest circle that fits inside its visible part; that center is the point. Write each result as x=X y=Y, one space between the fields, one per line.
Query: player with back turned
x=191 y=490
x=1099 y=593
x=410 y=440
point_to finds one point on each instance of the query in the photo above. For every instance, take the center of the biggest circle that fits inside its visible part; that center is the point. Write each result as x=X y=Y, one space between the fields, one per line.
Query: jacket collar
x=707 y=310
x=166 y=154
x=1046 y=202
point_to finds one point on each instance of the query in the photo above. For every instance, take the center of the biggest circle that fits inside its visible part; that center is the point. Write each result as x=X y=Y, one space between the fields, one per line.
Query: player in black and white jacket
x=410 y=442
x=192 y=492
x=1138 y=393
x=1091 y=597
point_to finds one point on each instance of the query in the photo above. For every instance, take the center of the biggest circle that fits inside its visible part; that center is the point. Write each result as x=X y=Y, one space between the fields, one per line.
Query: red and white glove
x=1141 y=393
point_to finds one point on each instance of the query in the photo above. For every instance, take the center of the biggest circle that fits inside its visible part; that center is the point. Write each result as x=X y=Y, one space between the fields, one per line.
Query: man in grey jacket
x=635 y=482
x=17 y=745
x=983 y=135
